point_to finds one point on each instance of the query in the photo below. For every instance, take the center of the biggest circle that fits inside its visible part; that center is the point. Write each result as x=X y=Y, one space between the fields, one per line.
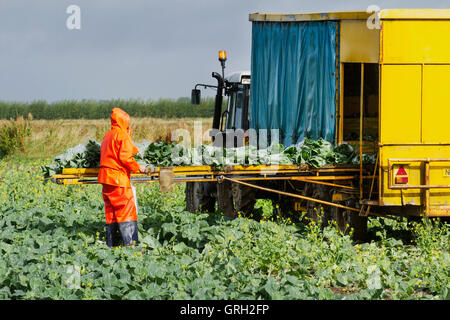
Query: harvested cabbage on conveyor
x=314 y=153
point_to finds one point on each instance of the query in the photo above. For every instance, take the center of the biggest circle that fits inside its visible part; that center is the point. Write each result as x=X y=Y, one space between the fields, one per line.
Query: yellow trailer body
x=406 y=53
x=414 y=109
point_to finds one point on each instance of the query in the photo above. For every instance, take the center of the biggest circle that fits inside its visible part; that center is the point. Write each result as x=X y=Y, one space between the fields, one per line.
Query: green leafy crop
x=80 y=156
x=52 y=247
x=314 y=153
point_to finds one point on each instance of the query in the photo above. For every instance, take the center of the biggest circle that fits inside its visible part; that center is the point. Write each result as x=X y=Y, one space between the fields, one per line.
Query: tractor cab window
x=237 y=117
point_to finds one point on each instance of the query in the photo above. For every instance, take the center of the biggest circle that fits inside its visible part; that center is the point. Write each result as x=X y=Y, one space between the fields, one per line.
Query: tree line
x=101 y=109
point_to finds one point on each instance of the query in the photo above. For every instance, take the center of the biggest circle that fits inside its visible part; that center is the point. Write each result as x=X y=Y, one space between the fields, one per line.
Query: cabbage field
x=52 y=247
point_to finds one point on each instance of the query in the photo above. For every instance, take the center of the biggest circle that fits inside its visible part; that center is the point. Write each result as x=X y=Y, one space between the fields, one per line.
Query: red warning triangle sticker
x=401 y=172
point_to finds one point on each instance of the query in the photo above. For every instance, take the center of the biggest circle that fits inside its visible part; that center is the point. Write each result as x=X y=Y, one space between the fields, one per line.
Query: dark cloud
x=133 y=48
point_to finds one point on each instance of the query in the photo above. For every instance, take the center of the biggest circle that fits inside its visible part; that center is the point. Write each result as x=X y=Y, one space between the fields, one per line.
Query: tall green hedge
x=100 y=109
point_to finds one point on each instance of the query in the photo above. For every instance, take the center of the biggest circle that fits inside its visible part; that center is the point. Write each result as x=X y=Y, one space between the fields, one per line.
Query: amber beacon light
x=222 y=59
x=222 y=55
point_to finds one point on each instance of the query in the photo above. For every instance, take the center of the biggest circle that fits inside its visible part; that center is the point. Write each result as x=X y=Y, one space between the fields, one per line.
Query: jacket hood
x=120 y=119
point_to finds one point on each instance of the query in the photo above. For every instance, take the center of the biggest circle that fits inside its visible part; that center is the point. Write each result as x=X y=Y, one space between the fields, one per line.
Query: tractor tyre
x=199 y=197
x=284 y=207
x=347 y=220
x=318 y=212
x=233 y=198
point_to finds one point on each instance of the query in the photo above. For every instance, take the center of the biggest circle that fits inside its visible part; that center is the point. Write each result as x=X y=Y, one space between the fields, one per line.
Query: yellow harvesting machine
x=390 y=99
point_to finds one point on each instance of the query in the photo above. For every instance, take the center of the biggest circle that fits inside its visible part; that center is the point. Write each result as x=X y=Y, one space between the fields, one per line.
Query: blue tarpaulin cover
x=293 y=71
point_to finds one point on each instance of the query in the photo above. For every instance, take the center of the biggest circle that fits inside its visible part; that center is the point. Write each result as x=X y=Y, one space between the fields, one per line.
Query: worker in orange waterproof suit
x=116 y=163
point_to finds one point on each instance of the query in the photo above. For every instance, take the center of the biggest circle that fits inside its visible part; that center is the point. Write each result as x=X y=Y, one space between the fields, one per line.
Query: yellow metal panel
x=439 y=175
x=359 y=43
x=436 y=103
x=341 y=105
x=416 y=41
x=84 y=171
x=190 y=169
x=415 y=14
x=400 y=103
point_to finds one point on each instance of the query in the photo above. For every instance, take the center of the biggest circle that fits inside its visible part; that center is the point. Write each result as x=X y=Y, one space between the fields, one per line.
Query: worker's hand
x=140 y=153
x=143 y=169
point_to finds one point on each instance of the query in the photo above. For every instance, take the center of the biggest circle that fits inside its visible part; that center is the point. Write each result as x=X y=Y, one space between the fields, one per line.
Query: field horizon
x=49 y=138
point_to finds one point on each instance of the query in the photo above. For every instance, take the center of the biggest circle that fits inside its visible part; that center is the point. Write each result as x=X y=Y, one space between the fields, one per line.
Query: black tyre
x=316 y=211
x=199 y=197
x=234 y=197
x=282 y=207
x=285 y=207
x=347 y=220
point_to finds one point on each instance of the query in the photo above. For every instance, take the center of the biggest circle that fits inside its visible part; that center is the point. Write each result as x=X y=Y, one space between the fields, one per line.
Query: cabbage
x=314 y=153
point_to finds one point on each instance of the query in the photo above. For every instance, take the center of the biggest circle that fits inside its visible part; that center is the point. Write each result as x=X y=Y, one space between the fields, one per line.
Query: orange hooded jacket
x=117 y=150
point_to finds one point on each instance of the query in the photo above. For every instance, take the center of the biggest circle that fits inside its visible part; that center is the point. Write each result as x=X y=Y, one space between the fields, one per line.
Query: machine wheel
x=243 y=198
x=282 y=207
x=346 y=220
x=316 y=211
x=234 y=197
x=199 y=198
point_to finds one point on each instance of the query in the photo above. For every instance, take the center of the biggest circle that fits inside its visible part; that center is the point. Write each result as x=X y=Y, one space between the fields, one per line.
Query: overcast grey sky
x=146 y=49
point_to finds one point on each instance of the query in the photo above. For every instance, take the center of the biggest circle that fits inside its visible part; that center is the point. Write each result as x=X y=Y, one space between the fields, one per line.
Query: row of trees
x=94 y=109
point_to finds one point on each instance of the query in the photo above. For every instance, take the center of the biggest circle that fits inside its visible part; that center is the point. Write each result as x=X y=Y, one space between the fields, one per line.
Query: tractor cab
x=237 y=113
x=229 y=126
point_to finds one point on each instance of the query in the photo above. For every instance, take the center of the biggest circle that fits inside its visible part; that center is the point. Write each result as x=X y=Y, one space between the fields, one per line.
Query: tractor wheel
x=225 y=199
x=234 y=197
x=243 y=198
x=315 y=211
x=284 y=207
x=199 y=197
x=347 y=220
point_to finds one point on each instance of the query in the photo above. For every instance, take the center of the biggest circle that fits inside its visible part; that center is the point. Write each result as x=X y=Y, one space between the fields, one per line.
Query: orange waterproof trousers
x=119 y=204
